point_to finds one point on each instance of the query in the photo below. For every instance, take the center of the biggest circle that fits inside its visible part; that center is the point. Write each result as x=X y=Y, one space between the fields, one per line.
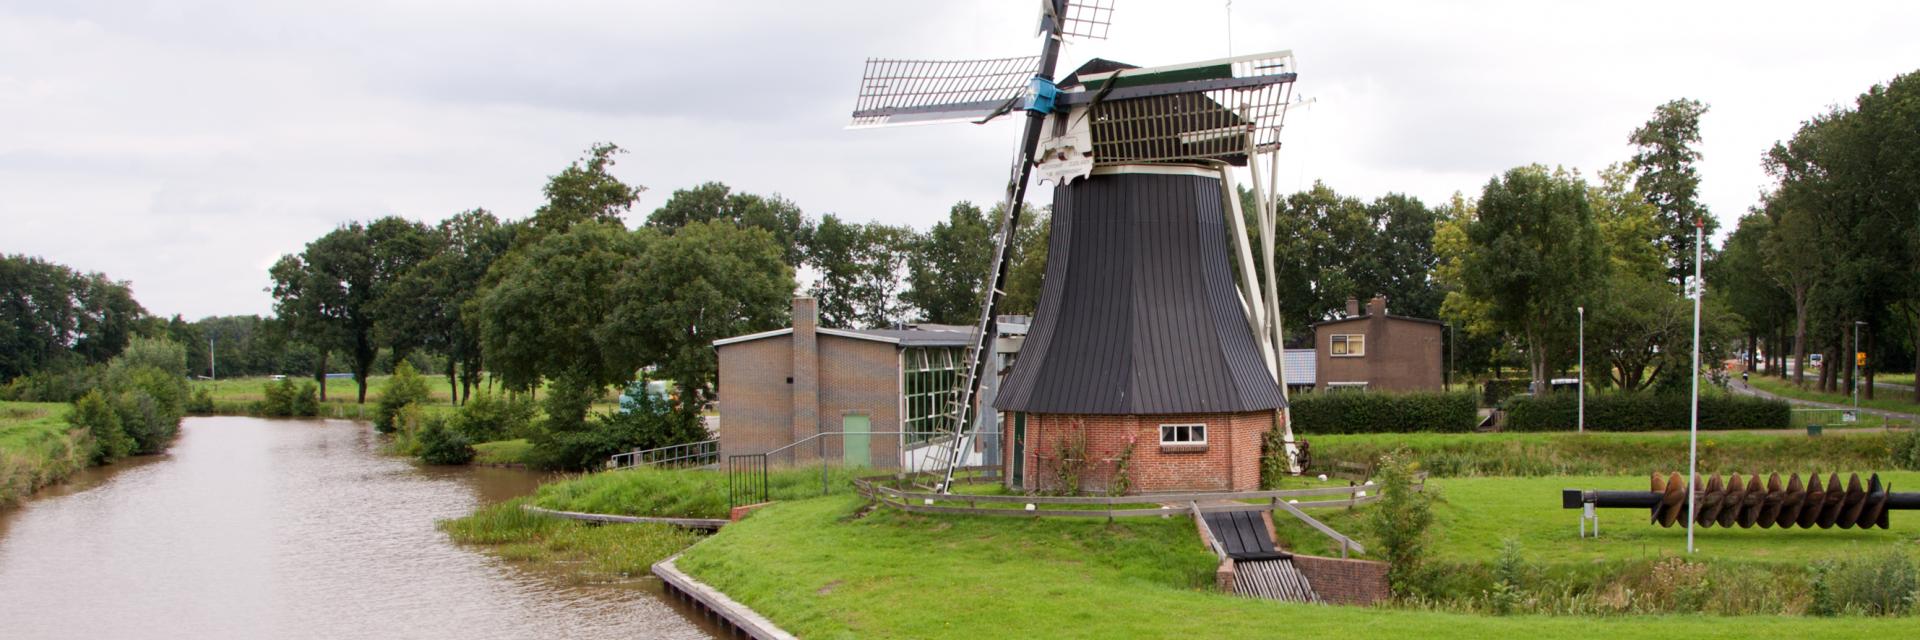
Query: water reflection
x=255 y=528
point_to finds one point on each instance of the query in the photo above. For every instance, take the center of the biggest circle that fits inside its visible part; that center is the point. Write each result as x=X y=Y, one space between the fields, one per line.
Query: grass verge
x=585 y=552
x=1550 y=454
x=502 y=452
x=683 y=493
x=37 y=447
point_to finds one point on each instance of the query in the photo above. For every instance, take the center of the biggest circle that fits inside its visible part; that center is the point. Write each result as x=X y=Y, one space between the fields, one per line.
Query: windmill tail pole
x=984 y=329
x=1749 y=501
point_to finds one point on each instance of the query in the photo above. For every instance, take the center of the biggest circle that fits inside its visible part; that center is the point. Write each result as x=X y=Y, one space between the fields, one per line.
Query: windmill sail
x=902 y=92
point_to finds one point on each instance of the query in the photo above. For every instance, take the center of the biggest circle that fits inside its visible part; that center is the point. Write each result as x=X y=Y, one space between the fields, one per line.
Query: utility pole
x=1697 y=291
x=212 y=371
x=1582 y=310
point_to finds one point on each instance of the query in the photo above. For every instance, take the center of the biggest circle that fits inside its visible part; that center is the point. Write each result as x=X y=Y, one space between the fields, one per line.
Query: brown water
x=255 y=528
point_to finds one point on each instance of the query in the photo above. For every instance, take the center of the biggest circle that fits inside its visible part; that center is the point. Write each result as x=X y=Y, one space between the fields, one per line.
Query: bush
x=441 y=444
x=287 y=399
x=62 y=385
x=1402 y=521
x=1350 y=412
x=1906 y=450
x=200 y=402
x=405 y=388
x=150 y=401
x=95 y=414
x=643 y=422
x=1881 y=585
x=1645 y=412
x=487 y=417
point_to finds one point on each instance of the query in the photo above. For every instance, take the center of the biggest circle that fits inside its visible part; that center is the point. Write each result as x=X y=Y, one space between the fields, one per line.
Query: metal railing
x=746 y=479
x=877 y=450
x=692 y=454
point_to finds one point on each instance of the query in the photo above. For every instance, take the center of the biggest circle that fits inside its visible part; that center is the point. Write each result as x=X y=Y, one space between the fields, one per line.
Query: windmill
x=1140 y=317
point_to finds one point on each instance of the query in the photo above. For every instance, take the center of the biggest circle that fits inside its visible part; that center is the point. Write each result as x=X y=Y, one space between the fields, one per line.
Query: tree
x=1534 y=254
x=1663 y=163
x=429 y=302
x=1740 y=272
x=332 y=293
x=1029 y=268
x=52 y=316
x=547 y=317
x=859 y=269
x=586 y=191
x=710 y=280
x=714 y=201
x=948 y=266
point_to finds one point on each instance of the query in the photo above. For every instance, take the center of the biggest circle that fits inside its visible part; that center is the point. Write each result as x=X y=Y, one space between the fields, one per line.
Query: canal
x=253 y=528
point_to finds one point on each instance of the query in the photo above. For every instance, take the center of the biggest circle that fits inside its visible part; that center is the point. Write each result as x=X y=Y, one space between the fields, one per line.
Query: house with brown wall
x=783 y=386
x=1377 y=351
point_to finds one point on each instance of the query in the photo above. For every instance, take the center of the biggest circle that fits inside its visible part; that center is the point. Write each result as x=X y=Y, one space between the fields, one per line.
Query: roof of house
x=1390 y=316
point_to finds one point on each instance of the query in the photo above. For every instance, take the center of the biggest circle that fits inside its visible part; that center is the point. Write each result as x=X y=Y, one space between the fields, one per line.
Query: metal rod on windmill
x=1116 y=126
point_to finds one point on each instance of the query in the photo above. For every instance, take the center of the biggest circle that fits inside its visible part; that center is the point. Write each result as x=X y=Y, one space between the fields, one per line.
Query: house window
x=1348 y=346
x=1183 y=434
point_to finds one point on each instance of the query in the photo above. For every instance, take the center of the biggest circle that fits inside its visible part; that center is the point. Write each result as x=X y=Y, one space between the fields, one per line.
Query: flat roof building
x=1377 y=351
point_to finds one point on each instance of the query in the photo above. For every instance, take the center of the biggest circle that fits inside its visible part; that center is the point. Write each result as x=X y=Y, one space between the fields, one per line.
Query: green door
x=1019 y=450
x=856 y=450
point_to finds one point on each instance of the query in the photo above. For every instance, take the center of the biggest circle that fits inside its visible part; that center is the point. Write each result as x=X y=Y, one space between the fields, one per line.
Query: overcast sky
x=185 y=145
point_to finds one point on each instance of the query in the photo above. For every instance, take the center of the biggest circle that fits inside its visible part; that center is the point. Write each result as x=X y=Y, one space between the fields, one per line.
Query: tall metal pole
x=1582 y=426
x=1857 y=324
x=1693 y=421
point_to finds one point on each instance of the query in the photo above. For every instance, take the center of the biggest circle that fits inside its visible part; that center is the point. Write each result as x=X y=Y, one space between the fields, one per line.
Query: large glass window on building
x=932 y=381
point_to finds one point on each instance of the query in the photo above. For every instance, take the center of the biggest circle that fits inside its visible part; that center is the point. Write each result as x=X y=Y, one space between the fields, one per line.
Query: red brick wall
x=1230 y=461
x=1340 y=581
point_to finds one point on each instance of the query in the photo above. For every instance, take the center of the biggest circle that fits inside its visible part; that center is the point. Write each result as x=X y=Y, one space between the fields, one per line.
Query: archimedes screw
x=1747 y=502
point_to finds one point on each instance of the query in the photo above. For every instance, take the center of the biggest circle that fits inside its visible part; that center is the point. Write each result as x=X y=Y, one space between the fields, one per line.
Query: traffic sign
x=1860 y=359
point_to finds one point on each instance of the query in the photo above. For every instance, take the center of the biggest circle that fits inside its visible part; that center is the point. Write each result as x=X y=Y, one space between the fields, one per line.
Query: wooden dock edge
x=742 y=619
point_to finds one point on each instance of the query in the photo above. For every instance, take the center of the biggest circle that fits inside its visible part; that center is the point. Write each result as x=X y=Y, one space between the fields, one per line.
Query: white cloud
x=184 y=145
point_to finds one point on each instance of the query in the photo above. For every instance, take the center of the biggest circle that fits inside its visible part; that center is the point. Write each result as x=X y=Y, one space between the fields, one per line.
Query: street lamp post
x=1857 y=326
x=1697 y=291
x=1582 y=425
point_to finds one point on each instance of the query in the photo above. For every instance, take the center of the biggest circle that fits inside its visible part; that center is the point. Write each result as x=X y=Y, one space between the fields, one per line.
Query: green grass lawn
x=502 y=452
x=1887 y=401
x=1552 y=454
x=37 y=447
x=582 y=551
x=686 y=493
x=237 y=395
x=1479 y=514
x=820 y=572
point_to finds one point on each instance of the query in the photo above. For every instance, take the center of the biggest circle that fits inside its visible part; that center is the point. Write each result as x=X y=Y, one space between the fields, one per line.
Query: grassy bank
x=819 y=571
x=37 y=447
x=678 y=493
x=1550 y=454
x=502 y=452
x=242 y=396
x=1888 y=400
x=586 y=553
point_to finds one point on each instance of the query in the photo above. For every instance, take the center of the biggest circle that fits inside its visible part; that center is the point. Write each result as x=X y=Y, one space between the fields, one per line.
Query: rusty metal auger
x=1748 y=502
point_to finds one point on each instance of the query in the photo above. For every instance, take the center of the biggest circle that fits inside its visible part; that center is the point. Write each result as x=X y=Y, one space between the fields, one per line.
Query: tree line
x=1830 y=257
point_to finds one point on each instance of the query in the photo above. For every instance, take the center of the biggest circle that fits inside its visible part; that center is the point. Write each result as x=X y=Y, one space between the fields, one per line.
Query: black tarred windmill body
x=1143 y=337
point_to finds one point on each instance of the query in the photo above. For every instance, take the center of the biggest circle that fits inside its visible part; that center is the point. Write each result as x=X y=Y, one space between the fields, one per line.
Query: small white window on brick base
x=1176 y=438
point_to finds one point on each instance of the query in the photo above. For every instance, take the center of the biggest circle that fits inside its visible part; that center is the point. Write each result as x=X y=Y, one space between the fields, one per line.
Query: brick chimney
x=1377 y=306
x=806 y=368
x=1353 y=306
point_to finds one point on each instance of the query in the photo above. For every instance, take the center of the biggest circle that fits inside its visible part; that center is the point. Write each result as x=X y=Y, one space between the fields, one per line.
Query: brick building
x=783 y=386
x=1377 y=351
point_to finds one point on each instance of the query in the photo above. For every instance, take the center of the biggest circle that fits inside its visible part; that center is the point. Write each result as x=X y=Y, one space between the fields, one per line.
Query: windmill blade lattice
x=897 y=92
x=1087 y=19
x=1202 y=111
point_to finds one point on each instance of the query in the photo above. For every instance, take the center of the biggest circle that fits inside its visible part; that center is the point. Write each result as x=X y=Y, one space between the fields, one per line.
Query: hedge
x=1645 y=412
x=1369 y=412
x=1494 y=391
